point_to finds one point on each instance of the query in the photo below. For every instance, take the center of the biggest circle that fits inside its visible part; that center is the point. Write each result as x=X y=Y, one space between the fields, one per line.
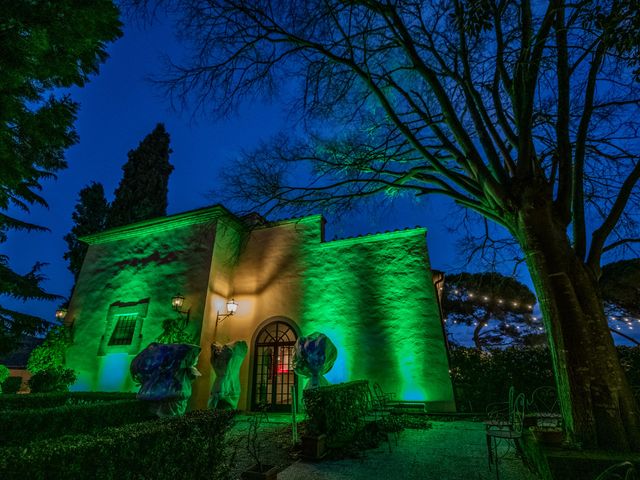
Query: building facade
x=373 y=296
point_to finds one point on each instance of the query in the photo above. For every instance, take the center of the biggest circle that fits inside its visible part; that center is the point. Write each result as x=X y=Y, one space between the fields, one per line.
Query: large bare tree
x=524 y=112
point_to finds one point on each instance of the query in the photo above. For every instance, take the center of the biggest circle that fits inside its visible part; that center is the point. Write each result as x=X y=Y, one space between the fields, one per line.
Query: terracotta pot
x=314 y=447
x=269 y=472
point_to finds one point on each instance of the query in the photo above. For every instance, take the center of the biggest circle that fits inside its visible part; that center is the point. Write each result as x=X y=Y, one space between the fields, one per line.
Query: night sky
x=119 y=107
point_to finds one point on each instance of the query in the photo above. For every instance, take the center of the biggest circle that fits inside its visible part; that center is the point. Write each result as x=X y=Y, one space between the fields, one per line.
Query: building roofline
x=159 y=224
x=305 y=219
x=375 y=237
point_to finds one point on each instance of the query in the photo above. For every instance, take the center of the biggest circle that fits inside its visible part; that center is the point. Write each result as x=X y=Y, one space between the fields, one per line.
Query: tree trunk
x=476 y=331
x=597 y=404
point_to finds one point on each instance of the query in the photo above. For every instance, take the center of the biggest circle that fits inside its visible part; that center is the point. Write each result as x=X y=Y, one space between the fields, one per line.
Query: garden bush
x=191 y=446
x=22 y=426
x=337 y=410
x=11 y=385
x=52 y=380
x=483 y=377
x=630 y=360
x=4 y=373
x=56 y=399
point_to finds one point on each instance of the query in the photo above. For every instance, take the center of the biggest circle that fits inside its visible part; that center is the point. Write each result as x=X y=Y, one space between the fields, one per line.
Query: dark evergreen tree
x=499 y=308
x=45 y=46
x=142 y=192
x=90 y=216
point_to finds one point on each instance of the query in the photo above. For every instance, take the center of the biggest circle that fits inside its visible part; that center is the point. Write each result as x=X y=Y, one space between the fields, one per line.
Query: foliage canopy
x=46 y=46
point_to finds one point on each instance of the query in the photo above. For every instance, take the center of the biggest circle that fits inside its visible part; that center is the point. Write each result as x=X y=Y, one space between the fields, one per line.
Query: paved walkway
x=448 y=451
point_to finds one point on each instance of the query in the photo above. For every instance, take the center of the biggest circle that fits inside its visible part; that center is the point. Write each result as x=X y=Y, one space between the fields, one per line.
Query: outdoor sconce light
x=61 y=313
x=231 y=309
x=176 y=302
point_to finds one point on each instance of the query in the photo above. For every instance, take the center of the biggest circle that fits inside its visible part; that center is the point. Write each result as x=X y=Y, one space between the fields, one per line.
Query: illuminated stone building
x=373 y=296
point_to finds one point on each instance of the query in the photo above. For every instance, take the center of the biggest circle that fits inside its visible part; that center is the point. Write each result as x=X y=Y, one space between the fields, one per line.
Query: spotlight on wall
x=177 y=301
x=231 y=309
x=61 y=313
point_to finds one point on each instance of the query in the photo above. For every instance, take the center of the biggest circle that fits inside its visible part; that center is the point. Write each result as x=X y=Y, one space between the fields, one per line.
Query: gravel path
x=448 y=451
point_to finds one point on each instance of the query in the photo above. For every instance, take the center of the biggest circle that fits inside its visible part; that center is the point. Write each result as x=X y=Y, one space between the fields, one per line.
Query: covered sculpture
x=226 y=361
x=314 y=355
x=165 y=373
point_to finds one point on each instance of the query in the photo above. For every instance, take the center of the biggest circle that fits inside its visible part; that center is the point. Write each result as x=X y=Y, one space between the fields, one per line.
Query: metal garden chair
x=506 y=428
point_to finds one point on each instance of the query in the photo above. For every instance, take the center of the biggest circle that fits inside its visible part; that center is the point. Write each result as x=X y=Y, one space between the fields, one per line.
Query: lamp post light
x=61 y=313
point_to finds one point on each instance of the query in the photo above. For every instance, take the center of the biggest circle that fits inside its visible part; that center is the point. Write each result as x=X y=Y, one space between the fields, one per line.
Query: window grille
x=123 y=332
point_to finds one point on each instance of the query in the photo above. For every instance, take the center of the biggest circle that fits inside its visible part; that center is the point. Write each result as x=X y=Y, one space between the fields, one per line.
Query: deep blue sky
x=118 y=108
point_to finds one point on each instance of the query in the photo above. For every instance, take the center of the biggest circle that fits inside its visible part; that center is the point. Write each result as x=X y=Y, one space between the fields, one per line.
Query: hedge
x=191 y=446
x=484 y=377
x=337 y=410
x=56 y=399
x=23 y=426
x=11 y=385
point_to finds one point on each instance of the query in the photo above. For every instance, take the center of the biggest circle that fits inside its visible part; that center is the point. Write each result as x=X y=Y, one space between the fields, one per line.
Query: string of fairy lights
x=499 y=301
x=622 y=321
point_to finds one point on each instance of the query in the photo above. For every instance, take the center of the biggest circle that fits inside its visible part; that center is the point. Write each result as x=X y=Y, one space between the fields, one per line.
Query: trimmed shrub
x=49 y=355
x=630 y=360
x=481 y=378
x=23 y=426
x=11 y=385
x=484 y=377
x=4 y=373
x=52 y=380
x=56 y=399
x=337 y=410
x=191 y=446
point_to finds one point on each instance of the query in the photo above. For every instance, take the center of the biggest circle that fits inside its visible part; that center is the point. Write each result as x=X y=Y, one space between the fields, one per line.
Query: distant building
x=373 y=296
x=16 y=361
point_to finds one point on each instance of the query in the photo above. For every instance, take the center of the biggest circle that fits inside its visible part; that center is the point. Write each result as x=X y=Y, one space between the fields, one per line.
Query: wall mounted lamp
x=176 y=302
x=61 y=313
x=231 y=309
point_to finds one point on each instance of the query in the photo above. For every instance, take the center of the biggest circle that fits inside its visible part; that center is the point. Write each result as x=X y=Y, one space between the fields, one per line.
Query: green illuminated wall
x=374 y=297
x=137 y=269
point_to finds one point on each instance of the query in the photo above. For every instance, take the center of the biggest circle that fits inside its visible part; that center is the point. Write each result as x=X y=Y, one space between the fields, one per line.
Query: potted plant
x=314 y=445
x=259 y=470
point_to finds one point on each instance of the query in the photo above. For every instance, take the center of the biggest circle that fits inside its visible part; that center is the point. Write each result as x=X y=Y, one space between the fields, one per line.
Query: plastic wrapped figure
x=314 y=355
x=226 y=361
x=165 y=373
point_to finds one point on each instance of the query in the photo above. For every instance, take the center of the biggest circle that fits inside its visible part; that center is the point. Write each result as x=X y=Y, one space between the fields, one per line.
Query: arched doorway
x=273 y=374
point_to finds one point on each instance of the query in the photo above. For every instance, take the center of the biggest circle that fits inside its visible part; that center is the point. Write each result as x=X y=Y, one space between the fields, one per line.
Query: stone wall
x=374 y=297
x=136 y=270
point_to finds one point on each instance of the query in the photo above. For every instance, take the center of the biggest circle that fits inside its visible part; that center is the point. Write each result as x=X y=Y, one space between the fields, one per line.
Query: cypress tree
x=89 y=216
x=142 y=192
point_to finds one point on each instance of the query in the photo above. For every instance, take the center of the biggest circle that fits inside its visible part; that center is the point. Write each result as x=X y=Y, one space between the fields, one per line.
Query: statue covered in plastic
x=165 y=373
x=314 y=355
x=226 y=361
